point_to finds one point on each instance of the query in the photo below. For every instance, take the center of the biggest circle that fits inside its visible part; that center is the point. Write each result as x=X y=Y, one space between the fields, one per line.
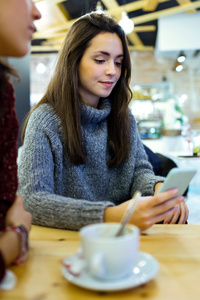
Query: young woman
x=82 y=158
x=16 y=29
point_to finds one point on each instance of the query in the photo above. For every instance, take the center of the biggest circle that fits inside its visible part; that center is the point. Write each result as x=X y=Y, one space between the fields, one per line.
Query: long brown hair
x=62 y=92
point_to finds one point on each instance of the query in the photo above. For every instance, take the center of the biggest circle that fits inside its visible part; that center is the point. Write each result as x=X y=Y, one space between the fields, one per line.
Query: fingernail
x=175 y=191
x=181 y=198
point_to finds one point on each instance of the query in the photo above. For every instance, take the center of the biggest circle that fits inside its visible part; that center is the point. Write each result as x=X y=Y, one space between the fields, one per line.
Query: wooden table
x=176 y=247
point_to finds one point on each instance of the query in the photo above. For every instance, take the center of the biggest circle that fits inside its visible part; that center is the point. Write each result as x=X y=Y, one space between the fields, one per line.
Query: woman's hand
x=181 y=215
x=9 y=242
x=149 y=210
x=17 y=215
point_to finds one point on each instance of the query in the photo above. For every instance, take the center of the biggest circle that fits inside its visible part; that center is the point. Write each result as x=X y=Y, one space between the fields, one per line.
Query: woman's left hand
x=181 y=215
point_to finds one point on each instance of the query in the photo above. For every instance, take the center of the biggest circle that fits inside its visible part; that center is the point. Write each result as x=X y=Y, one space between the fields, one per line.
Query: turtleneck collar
x=95 y=115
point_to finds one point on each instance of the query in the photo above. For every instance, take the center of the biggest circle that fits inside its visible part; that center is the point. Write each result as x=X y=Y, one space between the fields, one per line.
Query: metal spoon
x=129 y=211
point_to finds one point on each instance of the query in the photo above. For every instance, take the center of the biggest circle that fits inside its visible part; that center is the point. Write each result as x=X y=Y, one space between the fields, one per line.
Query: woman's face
x=16 y=26
x=100 y=67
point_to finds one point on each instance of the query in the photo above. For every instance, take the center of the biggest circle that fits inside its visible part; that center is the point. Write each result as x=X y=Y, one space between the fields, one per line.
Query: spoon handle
x=129 y=211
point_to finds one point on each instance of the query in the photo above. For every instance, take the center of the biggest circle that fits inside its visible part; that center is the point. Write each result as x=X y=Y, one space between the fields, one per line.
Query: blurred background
x=164 y=44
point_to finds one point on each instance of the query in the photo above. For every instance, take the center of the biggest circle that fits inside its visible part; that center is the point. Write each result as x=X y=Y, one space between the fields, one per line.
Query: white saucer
x=145 y=269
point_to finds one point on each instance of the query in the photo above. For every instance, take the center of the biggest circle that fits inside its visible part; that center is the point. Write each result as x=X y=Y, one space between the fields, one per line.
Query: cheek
x=118 y=74
x=95 y=70
x=93 y=73
x=28 y=6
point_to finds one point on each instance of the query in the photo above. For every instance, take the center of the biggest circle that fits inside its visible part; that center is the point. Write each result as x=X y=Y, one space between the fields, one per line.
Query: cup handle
x=98 y=264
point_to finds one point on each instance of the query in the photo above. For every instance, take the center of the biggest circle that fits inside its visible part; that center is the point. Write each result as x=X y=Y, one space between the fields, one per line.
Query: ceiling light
x=181 y=58
x=126 y=23
x=41 y=68
x=179 y=68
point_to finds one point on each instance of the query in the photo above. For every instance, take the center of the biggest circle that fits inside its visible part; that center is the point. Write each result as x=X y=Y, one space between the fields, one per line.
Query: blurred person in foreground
x=16 y=30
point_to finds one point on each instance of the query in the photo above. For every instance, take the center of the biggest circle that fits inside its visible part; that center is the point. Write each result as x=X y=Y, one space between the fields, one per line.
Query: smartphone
x=178 y=178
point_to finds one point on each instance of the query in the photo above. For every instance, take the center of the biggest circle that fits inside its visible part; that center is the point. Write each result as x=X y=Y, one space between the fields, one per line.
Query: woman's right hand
x=149 y=210
x=17 y=215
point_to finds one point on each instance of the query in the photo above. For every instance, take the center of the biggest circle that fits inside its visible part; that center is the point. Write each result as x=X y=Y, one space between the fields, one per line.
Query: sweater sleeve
x=144 y=178
x=40 y=155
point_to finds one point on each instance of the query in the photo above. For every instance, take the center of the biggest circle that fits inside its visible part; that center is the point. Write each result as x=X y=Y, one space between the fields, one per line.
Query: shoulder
x=44 y=120
x=134 y=134
x=133 y=123
x=44 y=116
x=44 y=113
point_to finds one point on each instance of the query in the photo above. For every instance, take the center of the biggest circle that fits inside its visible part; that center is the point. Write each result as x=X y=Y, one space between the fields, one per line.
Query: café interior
x=164 y=44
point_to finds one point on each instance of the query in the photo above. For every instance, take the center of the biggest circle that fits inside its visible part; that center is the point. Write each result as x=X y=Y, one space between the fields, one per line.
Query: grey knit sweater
x=61 y=195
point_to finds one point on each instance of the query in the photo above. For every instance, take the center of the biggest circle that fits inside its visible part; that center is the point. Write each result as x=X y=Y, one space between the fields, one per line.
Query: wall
x=147 y=69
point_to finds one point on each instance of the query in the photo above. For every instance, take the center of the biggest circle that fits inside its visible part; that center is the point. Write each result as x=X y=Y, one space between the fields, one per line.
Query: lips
x=107 y=83
x=31 y=30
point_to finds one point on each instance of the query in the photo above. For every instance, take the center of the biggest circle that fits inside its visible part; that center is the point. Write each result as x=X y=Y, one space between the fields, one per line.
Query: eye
x=99 y=61
x=118 y=64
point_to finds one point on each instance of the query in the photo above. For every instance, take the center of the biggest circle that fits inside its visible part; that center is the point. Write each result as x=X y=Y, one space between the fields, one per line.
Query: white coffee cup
x=107 y=256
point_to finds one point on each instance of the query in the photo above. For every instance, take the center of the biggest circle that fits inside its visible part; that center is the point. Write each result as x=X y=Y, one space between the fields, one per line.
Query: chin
x=15 y=53
x=21 y=52
x=105 y=95
x=21 y=48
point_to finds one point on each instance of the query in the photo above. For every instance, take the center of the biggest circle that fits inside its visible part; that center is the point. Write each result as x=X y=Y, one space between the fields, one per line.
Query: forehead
x=106 y=42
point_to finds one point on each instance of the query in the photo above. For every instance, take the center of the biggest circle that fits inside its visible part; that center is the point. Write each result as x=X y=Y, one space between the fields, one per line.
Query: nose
x=35 y=12
x=110 y=68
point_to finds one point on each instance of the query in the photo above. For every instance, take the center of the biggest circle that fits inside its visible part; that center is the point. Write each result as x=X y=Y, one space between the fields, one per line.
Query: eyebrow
x=107 y=54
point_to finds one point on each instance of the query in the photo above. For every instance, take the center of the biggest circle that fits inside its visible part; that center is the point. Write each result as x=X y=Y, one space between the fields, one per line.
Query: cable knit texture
x=61 y=195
